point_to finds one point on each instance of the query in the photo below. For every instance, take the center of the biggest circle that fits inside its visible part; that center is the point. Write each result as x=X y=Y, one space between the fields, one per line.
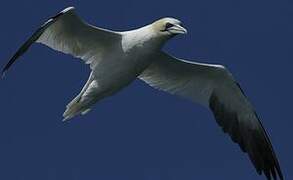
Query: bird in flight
x=118 y=58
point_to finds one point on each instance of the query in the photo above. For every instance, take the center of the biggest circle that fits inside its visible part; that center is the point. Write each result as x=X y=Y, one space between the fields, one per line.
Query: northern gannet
x=118 y=58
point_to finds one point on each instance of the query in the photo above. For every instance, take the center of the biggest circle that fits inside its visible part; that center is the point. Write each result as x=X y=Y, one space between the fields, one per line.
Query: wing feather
x=67 y=33
x=214 y=87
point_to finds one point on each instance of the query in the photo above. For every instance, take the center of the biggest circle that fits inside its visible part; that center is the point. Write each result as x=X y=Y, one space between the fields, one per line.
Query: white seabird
x=118 y=58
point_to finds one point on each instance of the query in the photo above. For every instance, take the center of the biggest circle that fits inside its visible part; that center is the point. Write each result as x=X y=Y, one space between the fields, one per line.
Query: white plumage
x=118 y=58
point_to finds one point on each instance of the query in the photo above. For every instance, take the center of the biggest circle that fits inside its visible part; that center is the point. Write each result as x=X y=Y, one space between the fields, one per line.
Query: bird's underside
x=114 y=66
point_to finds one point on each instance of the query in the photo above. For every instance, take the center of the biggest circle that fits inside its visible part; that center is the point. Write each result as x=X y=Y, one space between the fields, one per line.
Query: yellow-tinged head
x=168 y=27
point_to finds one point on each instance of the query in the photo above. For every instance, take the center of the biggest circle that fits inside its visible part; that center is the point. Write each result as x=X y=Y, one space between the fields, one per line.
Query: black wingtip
x=7 y=66
x=256 y=143
x=281 y=177
x=32 y=39
x=3 y=73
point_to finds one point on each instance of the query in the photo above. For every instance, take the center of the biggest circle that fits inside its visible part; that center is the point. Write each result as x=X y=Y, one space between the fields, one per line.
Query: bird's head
x=168 y=27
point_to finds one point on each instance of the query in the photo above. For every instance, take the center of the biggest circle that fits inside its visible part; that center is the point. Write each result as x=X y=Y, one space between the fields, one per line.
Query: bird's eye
x=169 y=25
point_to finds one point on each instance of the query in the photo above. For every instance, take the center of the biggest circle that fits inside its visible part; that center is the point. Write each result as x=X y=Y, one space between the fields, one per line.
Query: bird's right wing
x=214 y=86
x=67 y=33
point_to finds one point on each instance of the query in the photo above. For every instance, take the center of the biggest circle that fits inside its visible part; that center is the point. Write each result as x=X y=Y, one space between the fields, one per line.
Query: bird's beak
x=178 y=29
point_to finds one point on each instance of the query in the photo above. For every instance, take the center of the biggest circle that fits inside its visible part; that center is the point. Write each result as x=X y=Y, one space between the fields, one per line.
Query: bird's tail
x=74 y=108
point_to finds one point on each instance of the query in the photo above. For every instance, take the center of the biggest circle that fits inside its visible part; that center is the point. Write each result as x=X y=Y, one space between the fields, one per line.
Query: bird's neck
x=143 y=38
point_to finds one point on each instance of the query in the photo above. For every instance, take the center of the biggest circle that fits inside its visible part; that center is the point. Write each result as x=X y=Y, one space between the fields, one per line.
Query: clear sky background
x=141 y=133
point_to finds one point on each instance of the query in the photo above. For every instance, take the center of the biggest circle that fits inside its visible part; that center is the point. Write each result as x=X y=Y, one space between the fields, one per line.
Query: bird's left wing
x=213 y=86
x=68 y=33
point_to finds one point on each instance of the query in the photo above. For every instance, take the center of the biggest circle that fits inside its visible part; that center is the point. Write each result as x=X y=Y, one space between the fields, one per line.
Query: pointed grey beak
x=179 y=29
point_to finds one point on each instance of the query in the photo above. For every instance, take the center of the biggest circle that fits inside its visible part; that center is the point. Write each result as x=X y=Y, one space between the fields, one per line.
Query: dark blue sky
x=141 y=133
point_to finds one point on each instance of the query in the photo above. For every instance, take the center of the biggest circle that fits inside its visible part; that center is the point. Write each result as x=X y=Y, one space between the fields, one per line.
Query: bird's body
x=118 y=58
x=117 y=67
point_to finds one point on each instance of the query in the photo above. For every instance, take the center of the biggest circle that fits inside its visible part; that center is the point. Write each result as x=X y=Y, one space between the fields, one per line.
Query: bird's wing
x=67 y=33
x=213 y=86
